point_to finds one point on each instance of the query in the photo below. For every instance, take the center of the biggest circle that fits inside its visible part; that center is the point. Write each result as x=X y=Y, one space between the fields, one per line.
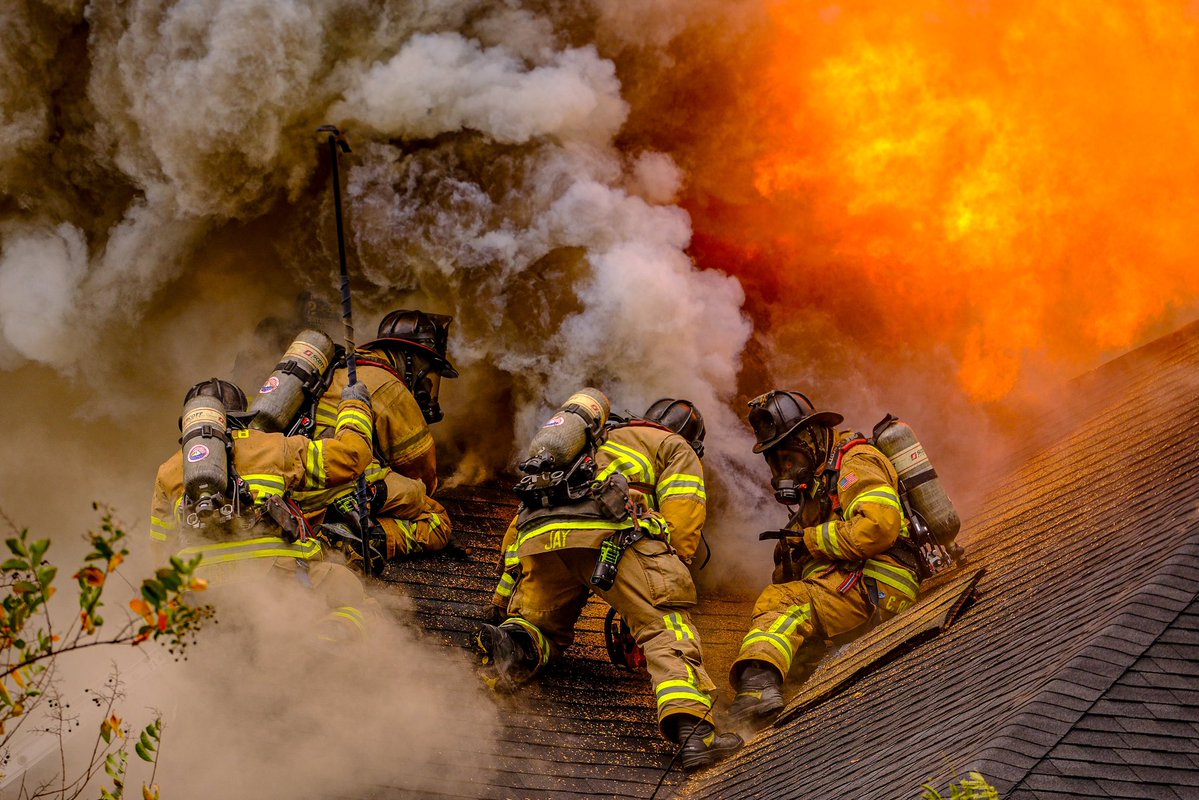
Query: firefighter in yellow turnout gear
x=254 y=543
x=557 y=549
x=402 y=368
x=848 y=562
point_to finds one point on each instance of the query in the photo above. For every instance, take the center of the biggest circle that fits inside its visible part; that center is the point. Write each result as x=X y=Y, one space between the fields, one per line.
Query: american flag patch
x=847 y=480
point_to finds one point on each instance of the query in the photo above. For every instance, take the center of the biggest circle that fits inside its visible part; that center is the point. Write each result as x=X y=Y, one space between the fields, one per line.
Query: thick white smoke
x=168 y=195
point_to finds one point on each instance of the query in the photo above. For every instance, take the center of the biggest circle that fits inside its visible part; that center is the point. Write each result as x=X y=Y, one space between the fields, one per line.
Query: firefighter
x=848 y=563
x=255 y=528
x=652 y=589
x=403 y=368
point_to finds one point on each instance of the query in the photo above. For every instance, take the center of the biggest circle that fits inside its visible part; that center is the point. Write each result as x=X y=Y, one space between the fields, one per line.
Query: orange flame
x=1014 y=181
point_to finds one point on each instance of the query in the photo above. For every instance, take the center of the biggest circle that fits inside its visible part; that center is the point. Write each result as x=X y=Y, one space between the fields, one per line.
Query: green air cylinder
x=559 y=441
x=205 y=464
x=898 y=442
x=296 y=377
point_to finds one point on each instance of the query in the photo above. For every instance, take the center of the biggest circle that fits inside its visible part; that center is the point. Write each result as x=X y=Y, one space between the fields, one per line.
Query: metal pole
x=337 y=145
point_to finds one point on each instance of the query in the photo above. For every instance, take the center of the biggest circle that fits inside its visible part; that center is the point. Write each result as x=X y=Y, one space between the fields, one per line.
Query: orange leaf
x=115 y=562
x=198 y=584
x=92 y=576
x=162 y=620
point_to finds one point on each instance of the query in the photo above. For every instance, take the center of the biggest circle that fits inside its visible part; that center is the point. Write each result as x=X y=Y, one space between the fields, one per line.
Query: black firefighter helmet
x=682 y=417
x=416 y=343
x=419 y=333
x=777 y=414
x=230 y=395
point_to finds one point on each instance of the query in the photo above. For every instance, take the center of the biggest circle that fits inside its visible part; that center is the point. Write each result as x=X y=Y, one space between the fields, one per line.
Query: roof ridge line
x=1182 y=563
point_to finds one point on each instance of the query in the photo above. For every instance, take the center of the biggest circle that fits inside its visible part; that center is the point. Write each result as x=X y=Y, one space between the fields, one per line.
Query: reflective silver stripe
x=682 y=485
x=898 y=578
x=674 y=623
x=620 y=450
x=315 y=467
x=780 y=643
x=351 y=417
x=884 y=496
x=670 y=691
x=828 y=539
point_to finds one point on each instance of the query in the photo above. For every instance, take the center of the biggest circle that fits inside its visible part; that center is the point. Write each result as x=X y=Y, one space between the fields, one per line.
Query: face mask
x=427 y=389
x=792 y=473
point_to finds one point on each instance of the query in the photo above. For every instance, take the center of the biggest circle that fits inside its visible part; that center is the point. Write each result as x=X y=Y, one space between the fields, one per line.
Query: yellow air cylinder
x=295 y=378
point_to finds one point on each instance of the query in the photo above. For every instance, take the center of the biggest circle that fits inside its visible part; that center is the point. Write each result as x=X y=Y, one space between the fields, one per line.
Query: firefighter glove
x=357 y=391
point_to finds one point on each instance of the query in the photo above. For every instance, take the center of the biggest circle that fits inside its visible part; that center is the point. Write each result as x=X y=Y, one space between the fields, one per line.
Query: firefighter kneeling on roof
x=616 y=514
x=846 y=559
x=226 y=497
x=402 y=367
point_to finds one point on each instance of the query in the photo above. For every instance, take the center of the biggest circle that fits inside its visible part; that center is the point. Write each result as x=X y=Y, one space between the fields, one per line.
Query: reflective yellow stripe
x=682 y=485
x=795 y=616
x=898 y=578
x=589 y=525
x=351 y=417
x=657 y=527
x=319 y=499
x=263 y=486
x=264 y=547
x=674 y=622
x=315 y=468
x=353 y=615
x=780 y=643
x=828 y=539
x=408 y=528
x=543 y=647
x=506 y=585
x=407 y=449
x=625 y=466
x=159 y=529
x=884 y=496
x=511 y=559
x=637 y=457
x=669 y=691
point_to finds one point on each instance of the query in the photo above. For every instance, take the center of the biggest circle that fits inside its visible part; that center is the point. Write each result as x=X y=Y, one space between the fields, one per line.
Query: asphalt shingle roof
x=1074 y=675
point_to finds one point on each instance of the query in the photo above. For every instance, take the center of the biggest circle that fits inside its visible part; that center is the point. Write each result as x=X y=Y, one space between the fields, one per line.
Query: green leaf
x=154 y=592
x=145 y=741
x=23 y=587
x=105 y=794
x=45 y=575
x=37 y=550
x=17 y=547
x=112 y=766
x=18 y=564
x=142 y=753
x=169 y=578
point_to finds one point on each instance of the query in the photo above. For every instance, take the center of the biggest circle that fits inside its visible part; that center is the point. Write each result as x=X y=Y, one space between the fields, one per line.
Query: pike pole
x=337 y=145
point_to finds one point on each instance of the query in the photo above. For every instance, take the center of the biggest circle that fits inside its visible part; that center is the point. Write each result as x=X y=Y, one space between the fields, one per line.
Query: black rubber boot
x=509 y=656
x=702 y=745
x=759 y=695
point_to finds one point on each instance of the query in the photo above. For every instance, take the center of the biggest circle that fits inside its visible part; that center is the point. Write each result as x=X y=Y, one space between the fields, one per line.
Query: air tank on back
x=898 y=442
x=564 y=435
x=205 y=463
x=296 y=377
